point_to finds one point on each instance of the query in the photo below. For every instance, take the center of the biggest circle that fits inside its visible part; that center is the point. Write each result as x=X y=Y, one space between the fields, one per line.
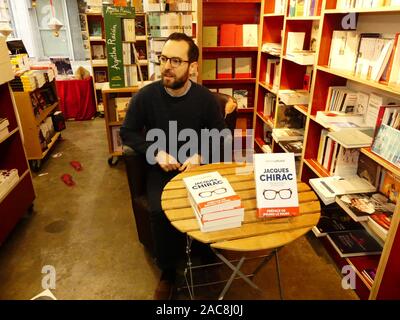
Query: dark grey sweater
x=152 y=107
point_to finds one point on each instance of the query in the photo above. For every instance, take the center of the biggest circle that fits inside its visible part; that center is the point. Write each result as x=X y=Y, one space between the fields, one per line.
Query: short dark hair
x=193 y=53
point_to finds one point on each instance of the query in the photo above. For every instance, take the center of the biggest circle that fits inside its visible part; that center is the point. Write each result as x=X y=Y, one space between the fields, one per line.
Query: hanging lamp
x=54 y=24
x=5 y=29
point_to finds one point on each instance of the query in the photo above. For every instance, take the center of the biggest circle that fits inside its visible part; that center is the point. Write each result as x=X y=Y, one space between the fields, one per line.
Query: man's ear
x=193 y=67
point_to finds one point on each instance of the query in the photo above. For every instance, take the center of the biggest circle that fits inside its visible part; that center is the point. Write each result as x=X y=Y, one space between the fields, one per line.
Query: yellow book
x=210 y=35
x=209 y=69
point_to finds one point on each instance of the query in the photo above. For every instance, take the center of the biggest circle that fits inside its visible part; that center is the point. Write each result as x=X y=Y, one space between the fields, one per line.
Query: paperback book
x=276 y=185
x=387 y=144
x=354 y=243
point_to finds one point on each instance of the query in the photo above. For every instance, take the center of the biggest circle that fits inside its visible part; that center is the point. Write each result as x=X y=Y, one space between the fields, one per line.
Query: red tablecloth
x=76 y=98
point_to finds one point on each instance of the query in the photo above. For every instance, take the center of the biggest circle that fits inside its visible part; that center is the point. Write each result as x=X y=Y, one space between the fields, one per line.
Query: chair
x=136 y=167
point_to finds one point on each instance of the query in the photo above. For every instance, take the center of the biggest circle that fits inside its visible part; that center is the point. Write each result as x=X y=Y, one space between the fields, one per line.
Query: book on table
x=215 y=204
x=276 y=185
x=354 y=243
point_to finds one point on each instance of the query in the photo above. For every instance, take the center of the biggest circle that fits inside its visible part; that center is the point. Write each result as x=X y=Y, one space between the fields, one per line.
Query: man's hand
x=166 y=161
x=191 y=162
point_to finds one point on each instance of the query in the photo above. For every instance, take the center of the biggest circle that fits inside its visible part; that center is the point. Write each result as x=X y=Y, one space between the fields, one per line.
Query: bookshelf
x=33 y=116
x=225 y=39
x=384 y=20
x=17 y=198
x=97 y=48
x=112 y=119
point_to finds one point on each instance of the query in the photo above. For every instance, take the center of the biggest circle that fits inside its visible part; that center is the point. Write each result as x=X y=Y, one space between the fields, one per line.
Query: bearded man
x=176 y=100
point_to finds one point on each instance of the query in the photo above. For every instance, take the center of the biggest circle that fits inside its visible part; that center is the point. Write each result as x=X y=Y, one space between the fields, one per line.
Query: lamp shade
x=5 y=29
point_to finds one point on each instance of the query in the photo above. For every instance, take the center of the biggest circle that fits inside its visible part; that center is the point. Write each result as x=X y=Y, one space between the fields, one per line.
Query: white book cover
x=250 y=35
x=295 y=41
x=211 y=192
x=276 y=185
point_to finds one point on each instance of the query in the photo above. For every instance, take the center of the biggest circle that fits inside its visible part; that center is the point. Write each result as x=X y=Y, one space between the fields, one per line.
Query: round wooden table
x=255 y=234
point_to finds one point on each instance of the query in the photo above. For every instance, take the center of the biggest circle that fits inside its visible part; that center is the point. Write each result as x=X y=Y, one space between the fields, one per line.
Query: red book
x=386 y=74
x=227 y=35
x=239 y=35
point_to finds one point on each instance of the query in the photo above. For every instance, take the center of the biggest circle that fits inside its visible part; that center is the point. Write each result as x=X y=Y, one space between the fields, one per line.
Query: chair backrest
x=228 y=108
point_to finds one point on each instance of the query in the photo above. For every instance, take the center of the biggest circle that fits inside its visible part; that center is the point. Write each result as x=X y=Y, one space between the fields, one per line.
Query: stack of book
x=294 y=97
x=4 y=127
x=272 y=48
x=215 y=204
x=370 y=56
x=287 y=134
x=8 y=178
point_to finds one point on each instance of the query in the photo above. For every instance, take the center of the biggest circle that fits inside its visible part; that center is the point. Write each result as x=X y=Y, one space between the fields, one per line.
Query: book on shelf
x=4 y=132
x=8 y=179
x=269 y=104
x=293 y=97
x=224 y=68
x=369 y=274
x=100 y=76
x=329 y=187
x=227 y=35
x=361 y=206
x=295 y=41
x=228 y=91
x=295 y=147
x=272 y=48
x=241 y=97
x=303 y=57
x=386 y=144
x=250 y=35
x=276 y=185
x=351 y=138
x=210 y=36
x=98 y=51
x=388 y=115
x=333 y=219
x=116 y=139
x=242 y=67
x=287 y=134
x=354 y=243
x=129 y=30
x=209 y=69
x=4 y=123
x=339 y=120
x=121 y=106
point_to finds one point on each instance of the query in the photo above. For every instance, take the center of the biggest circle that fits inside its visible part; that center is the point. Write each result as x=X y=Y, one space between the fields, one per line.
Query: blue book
x=387 y=144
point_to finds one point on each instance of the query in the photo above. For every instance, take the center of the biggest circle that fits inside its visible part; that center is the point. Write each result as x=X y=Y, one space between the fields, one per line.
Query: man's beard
x=177 y=83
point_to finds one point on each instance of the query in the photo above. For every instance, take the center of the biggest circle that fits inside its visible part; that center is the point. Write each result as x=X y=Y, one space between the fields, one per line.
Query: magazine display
x=276 y=185
x=215 y=204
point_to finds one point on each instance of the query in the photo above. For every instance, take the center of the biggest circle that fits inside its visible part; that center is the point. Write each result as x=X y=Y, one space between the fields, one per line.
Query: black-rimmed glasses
x=270 y=194
x=174 y=61
x=206 y=194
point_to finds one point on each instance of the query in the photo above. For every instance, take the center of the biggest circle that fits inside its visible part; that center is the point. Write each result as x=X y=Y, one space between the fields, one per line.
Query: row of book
x=30 y=80
x=131 y=75
x=8 y=179
x=164 y=24
x=128 y=53
x=348 y=4
x=370 y=56
x=161 y=5
x=121 y=107
x=231 y=35
x=221 y=68
x=215 y=204
x=269 y=105
x=241 y=96
x=272 y=74
x=42 y=98
x=300 y=8
x=128 y=30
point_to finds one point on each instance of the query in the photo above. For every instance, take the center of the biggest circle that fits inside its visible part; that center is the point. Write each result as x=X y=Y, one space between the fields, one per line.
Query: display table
x=255 y=234
x=77 y=99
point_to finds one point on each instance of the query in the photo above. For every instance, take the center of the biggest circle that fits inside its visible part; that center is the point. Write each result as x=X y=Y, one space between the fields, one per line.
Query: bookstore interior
x=310 y=90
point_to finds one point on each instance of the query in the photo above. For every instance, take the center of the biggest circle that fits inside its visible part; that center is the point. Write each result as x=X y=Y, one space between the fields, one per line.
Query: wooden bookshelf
x=18 y=199
x=217 y=13
x=387 y=281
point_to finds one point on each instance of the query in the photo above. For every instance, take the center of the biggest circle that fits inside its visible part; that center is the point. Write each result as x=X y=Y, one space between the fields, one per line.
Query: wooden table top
x=255 y=233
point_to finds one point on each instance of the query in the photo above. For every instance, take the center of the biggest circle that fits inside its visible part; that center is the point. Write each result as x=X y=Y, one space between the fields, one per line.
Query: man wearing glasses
x=174 y=98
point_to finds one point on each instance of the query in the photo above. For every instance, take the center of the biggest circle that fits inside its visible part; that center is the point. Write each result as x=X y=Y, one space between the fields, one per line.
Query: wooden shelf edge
x=350 y=76
x=267 y=120
x=230 y=81
x=304 y=18
x=273 y=15
x=233 y=48
x=115 y=123
x=382 y=162
x=301 y=108
x=361 y=10
x=9 y=135
x=45 y=113
x=14 y=186
x=316 y=168
x=267 y=87
x=49 y=146
x=296 y=62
